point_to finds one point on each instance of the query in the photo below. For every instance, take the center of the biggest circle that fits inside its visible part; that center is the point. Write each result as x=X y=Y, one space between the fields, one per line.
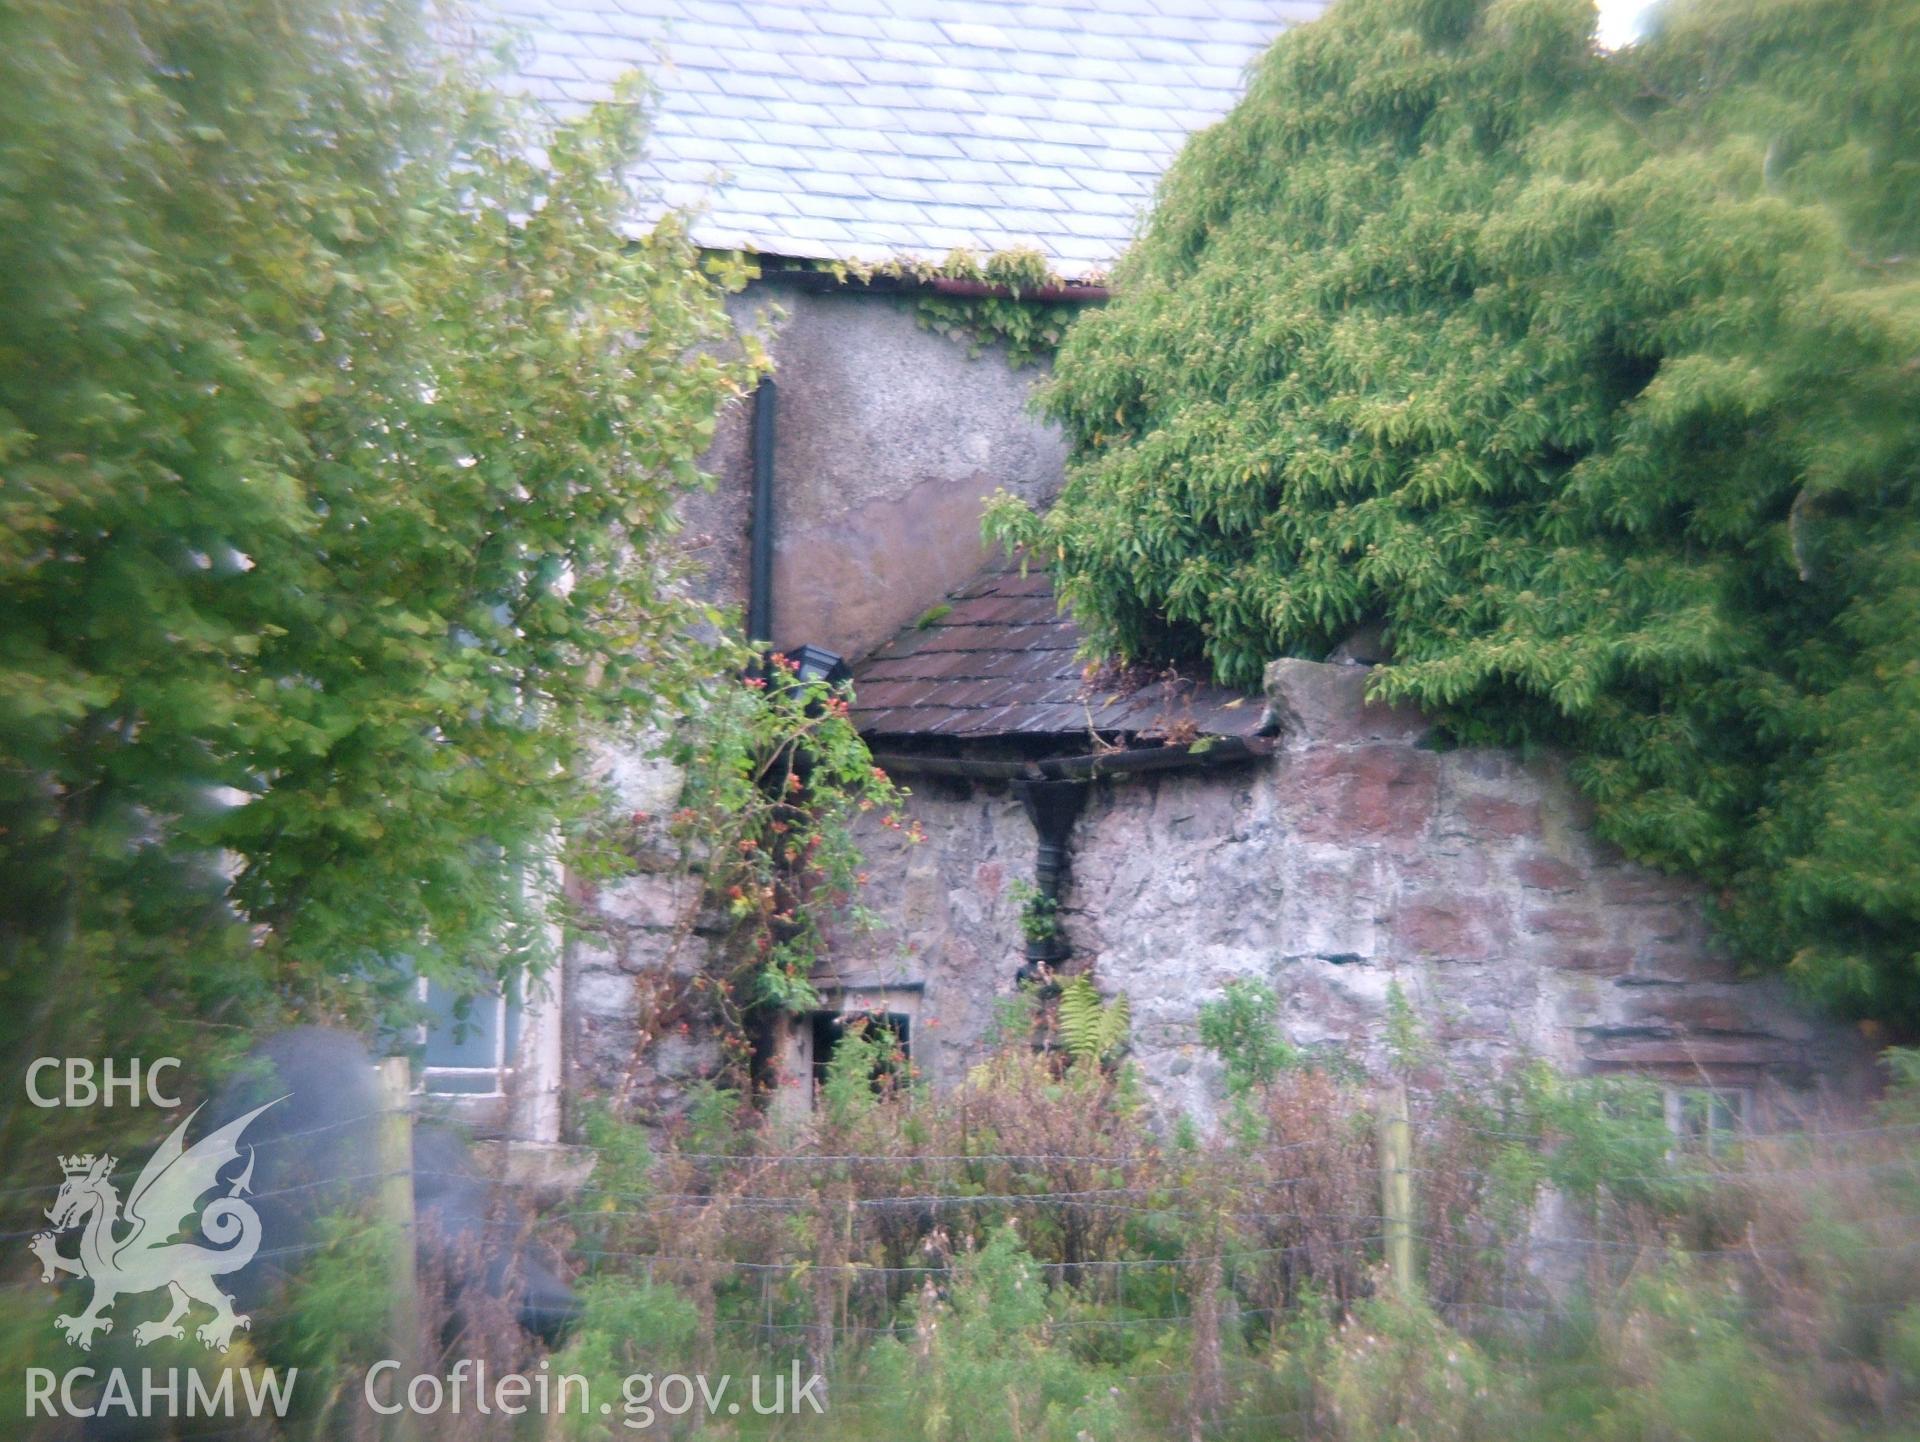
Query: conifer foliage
x=1595 y=378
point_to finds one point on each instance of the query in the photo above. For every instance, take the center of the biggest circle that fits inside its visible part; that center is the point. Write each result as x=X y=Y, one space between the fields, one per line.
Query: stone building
x=1189 y=836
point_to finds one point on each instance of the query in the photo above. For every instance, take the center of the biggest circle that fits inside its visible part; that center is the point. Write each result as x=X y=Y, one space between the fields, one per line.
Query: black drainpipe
x=1052 y=807
x=760 y=527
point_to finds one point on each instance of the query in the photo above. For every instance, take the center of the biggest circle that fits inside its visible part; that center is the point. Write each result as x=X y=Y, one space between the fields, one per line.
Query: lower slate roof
x=1001 y=661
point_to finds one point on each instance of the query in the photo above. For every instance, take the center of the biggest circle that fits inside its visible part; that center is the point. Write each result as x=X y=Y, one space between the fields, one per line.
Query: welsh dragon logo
x=136 y=1252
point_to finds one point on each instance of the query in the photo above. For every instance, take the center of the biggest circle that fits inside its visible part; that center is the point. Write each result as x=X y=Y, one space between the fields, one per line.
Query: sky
x=1620 y=20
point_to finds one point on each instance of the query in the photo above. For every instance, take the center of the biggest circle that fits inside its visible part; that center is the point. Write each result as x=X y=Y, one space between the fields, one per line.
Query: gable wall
x=889 y=440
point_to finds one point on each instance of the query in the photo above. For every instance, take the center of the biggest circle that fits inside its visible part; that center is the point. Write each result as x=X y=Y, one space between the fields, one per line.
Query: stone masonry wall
x=888 y=440
x=630 y=1032
x=1355 y=857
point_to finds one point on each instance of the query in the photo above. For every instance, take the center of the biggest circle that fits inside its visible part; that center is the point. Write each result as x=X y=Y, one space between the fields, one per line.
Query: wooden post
x=396 y=1217
x=1396 y=1189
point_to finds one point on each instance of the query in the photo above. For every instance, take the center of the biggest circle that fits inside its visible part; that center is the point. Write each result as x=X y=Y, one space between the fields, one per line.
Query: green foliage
x=1030 y=330
x=340 y=425
x=1016 y=1019
x=1094 y=1030
x=1406 y=1040
x=1588 y=1136
x=1039 y=912
x=627 y=1325
x=864 y=1069
x=1240 y=1030
x=1025 y=1256
x=1591 y=378
x=623 y=1156
x=777 y=775
x=1900 y=1106
x=1400 y=1372
x=713 y=1117
x=988 y=1372
x=336 y=1318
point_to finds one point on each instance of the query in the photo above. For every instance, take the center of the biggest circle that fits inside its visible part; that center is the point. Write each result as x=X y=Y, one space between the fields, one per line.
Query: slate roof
x=1000 y=662
x=872 y=129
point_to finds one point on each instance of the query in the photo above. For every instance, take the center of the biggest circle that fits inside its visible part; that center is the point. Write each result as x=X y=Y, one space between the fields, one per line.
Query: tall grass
x=1035 y=1257
x=1029 y=1257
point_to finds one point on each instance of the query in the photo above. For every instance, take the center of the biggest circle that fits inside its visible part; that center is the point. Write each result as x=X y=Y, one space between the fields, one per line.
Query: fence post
x=1396 y=1188
x=396 y=1216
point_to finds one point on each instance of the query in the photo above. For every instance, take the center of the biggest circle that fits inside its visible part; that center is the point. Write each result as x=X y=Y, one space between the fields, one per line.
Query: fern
x=1093 y=1029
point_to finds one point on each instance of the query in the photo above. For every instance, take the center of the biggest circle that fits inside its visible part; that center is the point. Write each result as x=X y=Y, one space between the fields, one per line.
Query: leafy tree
x=1595 y=379
x=340 y=423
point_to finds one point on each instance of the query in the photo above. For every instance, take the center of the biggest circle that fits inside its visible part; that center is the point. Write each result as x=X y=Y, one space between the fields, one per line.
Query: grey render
x=868 y=130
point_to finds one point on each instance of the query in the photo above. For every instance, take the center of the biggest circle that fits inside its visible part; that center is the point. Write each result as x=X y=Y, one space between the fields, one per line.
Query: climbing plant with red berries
x=777 y=778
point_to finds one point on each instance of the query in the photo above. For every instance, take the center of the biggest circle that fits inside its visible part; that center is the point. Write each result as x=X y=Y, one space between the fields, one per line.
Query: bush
x=1241 y=1030
x=340 y=440
x=1590 y=376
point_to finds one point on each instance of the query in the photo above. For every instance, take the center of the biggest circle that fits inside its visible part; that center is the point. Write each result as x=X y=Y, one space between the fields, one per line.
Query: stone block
x=1639 y=886
x=1494 y=818
x=1370 y=793
x=1662 y=964
x=603 y=993
x=1329 y=907
x=1598 y=960
x=1562 y=923
x=649 y=902
x=1457 y=928
x=1315 y=703
x=1697 y=1013
x=1482 y=768
x=1449 y=867
x=587 y=955
x=1689 y=1052
x=1547 y=873
x=1324 y=1002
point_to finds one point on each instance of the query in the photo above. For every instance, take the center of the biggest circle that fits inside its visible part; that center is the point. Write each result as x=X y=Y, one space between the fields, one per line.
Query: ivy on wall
x=1028 y=329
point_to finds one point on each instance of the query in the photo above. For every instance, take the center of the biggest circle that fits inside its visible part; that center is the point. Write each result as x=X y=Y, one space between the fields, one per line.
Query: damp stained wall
x=889 y=439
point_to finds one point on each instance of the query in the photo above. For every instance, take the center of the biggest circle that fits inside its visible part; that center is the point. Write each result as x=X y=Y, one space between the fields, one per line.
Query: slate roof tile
x=1053 y=97
x=1003 y=660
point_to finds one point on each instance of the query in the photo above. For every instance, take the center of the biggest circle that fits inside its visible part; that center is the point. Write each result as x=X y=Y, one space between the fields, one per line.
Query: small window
x=469 y=1052
x=1707 y=1119
x=830 y=1028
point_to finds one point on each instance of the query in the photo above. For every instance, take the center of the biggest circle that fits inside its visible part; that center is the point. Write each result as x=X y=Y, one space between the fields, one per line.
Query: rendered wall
x=889 y=439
